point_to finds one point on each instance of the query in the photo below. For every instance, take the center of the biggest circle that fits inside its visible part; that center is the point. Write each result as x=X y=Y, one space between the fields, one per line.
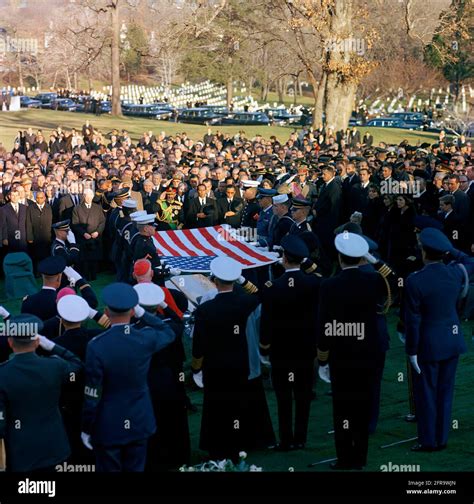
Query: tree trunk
x=318 y=96
x=116 y=105
x=230 y=84
x=279 y=86
x=340 y=89
x=20 y=71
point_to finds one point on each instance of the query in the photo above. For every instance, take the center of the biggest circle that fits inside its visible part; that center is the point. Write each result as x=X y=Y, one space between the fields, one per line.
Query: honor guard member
x=265 y=201
x=115 y=214
x=64 y=244
x=170 y=446
x=143 y=246
x=289 y=307
x=348 y=340
x=43 y=303
x=123 y=228
x=73 y=311
x=283 y=222
x=251 y=208
x=221 y=351
x=118 y=413
x=434 y=338
x=299 y=211
x=30 y=389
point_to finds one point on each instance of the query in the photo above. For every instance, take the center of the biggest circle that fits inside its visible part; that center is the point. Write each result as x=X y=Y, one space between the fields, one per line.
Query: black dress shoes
x=283 y=447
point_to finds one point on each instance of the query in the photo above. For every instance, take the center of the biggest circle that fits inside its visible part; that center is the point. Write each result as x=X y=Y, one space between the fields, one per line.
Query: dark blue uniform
x=118 y=412
x=434 y=334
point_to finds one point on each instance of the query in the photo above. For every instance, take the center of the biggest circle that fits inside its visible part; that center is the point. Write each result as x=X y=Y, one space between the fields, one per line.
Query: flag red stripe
x=190 y=236
x=166 y=247
x=244 y=248
x=173 y=236
x=227 y=252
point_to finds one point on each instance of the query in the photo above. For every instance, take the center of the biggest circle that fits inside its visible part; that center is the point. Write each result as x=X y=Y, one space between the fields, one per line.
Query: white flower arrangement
x=225 y=465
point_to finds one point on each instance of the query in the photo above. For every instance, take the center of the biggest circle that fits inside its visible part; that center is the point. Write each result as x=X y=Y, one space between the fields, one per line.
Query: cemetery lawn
x=391 y=428
x=47 y=120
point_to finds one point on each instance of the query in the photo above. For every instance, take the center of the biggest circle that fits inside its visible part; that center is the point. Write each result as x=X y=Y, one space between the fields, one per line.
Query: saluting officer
x=289 y=307
x=143 y=246
x=43 y=303
x=64 y=244
x=251 y=208
x=434 y=338
x=118 y=413
x=30 y=388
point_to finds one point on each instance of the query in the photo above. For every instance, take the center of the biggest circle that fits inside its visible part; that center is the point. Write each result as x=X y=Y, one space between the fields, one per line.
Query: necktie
x=50 y=201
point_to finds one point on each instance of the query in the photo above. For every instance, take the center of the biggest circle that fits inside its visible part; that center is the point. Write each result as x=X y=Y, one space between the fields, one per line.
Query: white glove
x=277 y=247
x=401 y=337
x=72 y=275
x=323 y=372
x=4 y=313
x=265 y=360
x=139 y=311
x=92 y=313
x=370 y=258
x=163 y=305
x=241 y=279
x=86 y=440
x=175 y=271
x=45 y=343
x=414 y=362
x=70 y=237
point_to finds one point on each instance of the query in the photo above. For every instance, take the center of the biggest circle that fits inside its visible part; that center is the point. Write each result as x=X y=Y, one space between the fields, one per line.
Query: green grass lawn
x=47 y=120
x=391 y=427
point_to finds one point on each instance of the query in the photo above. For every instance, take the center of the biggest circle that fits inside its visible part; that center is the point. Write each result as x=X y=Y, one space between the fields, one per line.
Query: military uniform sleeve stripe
x=196 y=363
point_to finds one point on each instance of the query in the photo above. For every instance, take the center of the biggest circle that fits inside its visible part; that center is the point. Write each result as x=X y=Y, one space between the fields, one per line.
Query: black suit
x=347 y=184
x=328 y=211
x=90 y=220
x=42 y=304
x=54 y=204
x=149 y=201
x=38 y=230
x=358 y=198
x=454 y=229
x=352 y=358
x=288 y=331
x=66 y=206
x=14 y=227
x=461 y=205
x=209 y=208
x=223 y=206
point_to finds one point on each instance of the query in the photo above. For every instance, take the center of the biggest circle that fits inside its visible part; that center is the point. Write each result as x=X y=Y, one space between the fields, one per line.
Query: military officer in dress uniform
x=143 y=246
x=251 y=210
x=434 y=338
x=43 y=303
x=64 y=244
x=349 y=340
x=220 y=350
x=283 y=222
x=118 y=413
x=30 y=388
x=113 y=217
x=289 y=306
x=123 y=227
x=299 y=210
x=265 y=201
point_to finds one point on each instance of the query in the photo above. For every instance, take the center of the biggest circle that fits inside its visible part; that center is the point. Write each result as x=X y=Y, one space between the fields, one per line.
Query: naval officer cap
x=280 y=198
x=295 y=246
x=129 y=203
x=149 y=294
x=226 y=269
x=266 y=193
x=300 y=203
x=121 y=193
x=63 y=225
x=120 y=297
x=250 y=183
x=435 y=239
x=143 y=220
x=139 y=213
x=52 y=266
x=24 y=327
x=351 y=244
x=73 y=308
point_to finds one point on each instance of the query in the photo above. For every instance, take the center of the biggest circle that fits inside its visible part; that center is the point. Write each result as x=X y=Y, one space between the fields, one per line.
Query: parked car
x=63 y=104
x=199 y=115
x=408 y=116
x=386 y=122
x=247 y=118
x=46 y=99
x=153 y=111
x=27 y=102
x=281 y=116
x=221 y=110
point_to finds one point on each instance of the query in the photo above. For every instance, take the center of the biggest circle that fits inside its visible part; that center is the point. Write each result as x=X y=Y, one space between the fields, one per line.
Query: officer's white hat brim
x=250 y=183
x=149 y=294
x=135 y=215
x=226 y=269
x=129 y=203
x=145 y=219
x=351 y=244
x=73 y=308
x=281 y=198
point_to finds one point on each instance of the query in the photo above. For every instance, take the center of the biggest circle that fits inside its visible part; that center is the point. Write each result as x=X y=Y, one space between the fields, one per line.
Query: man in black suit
x=461 y=199
x=202 y=211
x=359 y=193
x=149 y=197
x=328 y=209
x=230 y=208
x=349 y=340
x=289 y=306
x=453 y=228
x=354 y=137
x=88 y=224
x=68 y=202
x=39 y=219
x=348 y=183
x=13 y=223
x=53 y=201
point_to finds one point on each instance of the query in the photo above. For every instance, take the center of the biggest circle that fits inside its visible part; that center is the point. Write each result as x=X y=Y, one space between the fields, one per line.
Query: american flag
x=192 y=250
